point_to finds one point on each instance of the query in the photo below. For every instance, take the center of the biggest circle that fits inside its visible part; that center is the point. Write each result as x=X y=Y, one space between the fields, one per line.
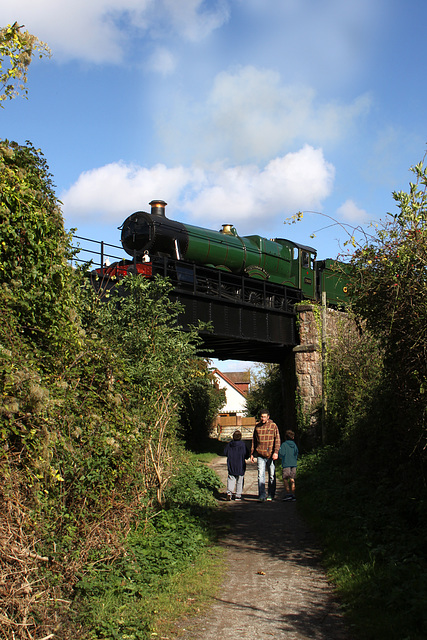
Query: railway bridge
x=244 y=319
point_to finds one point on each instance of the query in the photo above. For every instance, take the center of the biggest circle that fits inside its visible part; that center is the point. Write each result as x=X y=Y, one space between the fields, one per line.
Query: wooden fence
x=224 y=426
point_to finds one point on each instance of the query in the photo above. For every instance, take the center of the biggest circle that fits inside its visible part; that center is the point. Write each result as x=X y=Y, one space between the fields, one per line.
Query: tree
x=266 y=393
x=389 y=290
x=17 y=48
x=202 y=401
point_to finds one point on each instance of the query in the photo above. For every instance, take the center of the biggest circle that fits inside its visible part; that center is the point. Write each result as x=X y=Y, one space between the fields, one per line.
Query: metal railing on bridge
x=95 y=252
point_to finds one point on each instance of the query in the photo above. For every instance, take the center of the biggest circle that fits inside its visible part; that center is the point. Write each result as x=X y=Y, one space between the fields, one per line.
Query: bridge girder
x=239 y=332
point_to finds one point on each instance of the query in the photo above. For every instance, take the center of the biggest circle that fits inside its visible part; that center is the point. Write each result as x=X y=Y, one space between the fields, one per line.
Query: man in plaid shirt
x=265 y=446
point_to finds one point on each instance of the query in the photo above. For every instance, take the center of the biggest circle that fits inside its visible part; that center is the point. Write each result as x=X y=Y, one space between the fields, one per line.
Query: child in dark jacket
x=237 y=454
x=288 y=454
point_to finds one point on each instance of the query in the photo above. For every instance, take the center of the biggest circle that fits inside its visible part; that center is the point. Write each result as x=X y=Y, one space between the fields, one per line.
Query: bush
x=119 y=600
x=194 y=486
x=202 y=401
x=373 y=538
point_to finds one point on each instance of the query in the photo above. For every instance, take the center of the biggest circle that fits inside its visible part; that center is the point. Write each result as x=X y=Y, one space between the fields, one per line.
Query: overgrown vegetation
x=92 y=388
x=377 y=375
x=100 y=508
x=123 y=599
x=373 y=536
x=353 y=380
x=389 y=291
x=366 y=492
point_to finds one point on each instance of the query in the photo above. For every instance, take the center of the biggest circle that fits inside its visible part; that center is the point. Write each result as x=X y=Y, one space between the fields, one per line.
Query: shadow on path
x=275 y=586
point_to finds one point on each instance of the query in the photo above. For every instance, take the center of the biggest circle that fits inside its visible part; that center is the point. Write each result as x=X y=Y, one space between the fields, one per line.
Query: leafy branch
x=17 y=48
x=351 y=231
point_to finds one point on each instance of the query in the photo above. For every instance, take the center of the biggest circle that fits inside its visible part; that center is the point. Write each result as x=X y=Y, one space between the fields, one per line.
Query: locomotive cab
x=306 y=270
x=302 y=267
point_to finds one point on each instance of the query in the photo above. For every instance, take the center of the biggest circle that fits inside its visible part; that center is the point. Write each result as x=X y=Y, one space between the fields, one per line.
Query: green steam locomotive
x=152 y=238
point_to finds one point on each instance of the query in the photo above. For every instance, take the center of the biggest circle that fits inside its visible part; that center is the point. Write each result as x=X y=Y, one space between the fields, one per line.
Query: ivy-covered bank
x=92 y=464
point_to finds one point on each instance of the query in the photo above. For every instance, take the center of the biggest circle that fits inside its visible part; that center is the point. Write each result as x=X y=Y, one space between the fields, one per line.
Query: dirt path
x=275 y=586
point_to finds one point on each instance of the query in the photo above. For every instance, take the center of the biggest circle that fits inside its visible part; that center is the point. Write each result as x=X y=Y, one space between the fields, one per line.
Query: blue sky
x=233 y=111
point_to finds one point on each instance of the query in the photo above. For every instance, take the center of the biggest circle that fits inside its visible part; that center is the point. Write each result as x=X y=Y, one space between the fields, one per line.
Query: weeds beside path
x=275 y=586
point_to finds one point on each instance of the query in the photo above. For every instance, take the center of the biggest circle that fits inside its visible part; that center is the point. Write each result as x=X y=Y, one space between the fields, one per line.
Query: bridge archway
x=301 y=355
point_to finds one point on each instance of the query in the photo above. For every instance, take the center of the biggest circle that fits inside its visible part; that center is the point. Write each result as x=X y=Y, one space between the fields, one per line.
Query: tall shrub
x=389 y=289
x=140 y=321
x=89 y=407
x=353 y=378
x=36 y=282
x=266 y=393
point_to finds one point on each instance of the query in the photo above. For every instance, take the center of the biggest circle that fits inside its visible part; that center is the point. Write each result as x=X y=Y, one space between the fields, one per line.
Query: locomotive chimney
x=158 y=207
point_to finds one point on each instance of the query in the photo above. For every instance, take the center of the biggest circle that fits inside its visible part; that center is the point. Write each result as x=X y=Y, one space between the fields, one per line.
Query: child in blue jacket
x=237 y=454
x=288 y=455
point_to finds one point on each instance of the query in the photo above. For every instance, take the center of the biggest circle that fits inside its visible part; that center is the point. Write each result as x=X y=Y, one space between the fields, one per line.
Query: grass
x=208 y=449
x=373 y=537
x=190 y=592
x=137 y=612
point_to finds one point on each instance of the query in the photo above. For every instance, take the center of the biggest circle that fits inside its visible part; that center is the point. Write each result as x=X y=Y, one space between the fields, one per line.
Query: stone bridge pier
x=304 y=367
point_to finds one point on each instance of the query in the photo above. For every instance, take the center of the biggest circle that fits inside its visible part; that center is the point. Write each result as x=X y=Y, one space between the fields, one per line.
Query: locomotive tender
x=149 y=237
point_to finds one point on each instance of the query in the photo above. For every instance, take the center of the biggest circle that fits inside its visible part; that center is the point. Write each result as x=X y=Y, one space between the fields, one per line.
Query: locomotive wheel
x=230 y=291
x=255 y=298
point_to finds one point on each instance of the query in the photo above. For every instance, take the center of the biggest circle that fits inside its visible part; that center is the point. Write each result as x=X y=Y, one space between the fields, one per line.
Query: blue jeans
x=263 y=464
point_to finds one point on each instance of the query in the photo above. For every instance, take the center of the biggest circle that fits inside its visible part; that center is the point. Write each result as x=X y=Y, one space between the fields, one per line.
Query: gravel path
x=275 y=586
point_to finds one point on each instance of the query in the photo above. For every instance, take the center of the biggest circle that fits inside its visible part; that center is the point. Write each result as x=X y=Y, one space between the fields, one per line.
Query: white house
x=235 y=385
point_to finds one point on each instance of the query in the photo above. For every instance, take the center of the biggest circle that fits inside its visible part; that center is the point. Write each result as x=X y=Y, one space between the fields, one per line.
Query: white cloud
x=99 y=31
x=192 y=22
x=331 y=38
x=352 y=214
x=162 y=61
x=118 y=189
x=245 y=195
x=251 y=114
x=300 y=180
x=74 y=30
